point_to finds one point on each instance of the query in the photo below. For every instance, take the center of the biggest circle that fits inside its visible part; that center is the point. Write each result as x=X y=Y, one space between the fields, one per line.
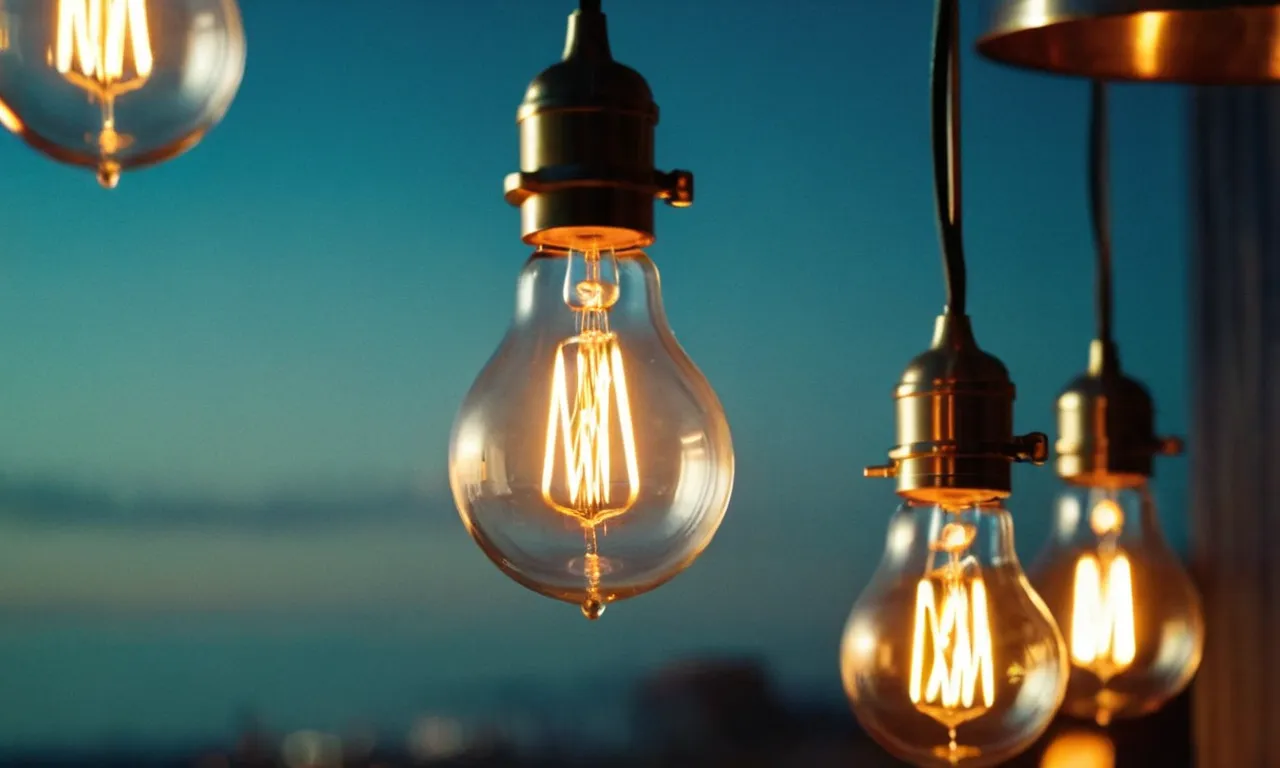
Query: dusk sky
x=228 y=384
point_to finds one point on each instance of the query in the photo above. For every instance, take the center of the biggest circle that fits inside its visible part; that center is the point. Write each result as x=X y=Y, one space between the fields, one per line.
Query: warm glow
x=1102 y=613
x=590 y=414
x=1147 y=45
x=1106 y=518
x=97 y=38
x=952 y=667
x=1080 y=749
x=1102 y=636
x=10 y=120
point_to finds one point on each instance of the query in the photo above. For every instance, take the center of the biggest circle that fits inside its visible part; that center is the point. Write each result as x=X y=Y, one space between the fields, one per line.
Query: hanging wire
x=591 y=6
x=1100 y=205
x=945 y=120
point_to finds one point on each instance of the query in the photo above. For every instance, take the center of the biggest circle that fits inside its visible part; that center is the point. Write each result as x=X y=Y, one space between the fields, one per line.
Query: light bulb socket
x=955 y=424
x=587 y=172
x=1106 y=426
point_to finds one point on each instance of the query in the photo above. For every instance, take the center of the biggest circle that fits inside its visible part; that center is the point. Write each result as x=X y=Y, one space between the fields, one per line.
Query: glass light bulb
x=1128 y=609
x=591 y=460
x=949 y=656
x=117 y=84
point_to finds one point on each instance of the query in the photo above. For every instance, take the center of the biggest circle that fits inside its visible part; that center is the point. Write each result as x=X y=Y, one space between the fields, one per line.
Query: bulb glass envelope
x=115 y=85
x=591 y=459
x=949 y=656
x=1129 y=612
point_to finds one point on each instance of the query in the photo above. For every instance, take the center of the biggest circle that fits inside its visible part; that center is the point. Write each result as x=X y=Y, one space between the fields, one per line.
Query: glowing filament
x=952 y=644
x=952 y=665
x=95 y=40
x=585 y=413
x=1102 y=635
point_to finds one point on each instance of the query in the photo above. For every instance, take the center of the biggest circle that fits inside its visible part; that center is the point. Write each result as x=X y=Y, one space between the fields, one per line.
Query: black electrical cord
x=589 y=6
x=945 y=120
x=1100 y=205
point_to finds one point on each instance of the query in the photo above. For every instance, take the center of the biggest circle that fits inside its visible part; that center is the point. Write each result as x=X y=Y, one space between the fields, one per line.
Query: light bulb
x=117 y=84
x=949 y=656
x=1128 y=609
x=1080 y=749
x=591 y=460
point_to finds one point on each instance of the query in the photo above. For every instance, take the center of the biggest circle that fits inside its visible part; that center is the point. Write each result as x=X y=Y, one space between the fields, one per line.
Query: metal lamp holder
x=587 y=176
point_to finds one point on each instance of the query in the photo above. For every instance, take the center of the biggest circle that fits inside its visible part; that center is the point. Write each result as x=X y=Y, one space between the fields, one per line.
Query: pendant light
x=1129 y=610
x=949 y=657
x=591 y=460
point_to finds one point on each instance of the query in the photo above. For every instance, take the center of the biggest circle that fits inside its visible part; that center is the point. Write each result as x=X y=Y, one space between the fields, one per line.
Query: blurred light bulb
x=118 y=84
x=1080 y=749
x=949 y=656
x=591 y=460
x=1123 y=599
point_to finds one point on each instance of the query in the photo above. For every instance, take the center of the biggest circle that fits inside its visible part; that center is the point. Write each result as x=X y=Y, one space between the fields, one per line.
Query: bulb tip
x=592 y=608
x=109 y=175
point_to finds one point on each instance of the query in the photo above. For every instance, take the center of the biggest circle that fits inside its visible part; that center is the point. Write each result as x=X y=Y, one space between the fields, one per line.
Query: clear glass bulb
x=117 y=84
x=949 y=656
x=591 y=460
x=1129 y=611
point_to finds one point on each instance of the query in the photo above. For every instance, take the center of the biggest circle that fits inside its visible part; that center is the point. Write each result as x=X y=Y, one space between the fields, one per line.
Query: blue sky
x=288 y=316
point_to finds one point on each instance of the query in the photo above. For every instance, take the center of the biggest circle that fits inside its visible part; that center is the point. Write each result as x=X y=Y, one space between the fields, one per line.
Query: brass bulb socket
x=587 y=175
x=955 y=424
x=1106 y=426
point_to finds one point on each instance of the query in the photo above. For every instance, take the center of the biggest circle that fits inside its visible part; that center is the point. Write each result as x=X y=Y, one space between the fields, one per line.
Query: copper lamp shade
x=1182 y=41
